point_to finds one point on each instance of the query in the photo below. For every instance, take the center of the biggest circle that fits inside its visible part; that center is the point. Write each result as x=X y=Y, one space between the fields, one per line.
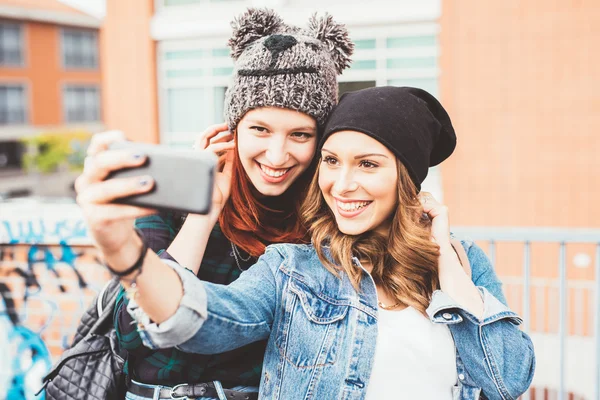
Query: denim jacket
x=322 y=333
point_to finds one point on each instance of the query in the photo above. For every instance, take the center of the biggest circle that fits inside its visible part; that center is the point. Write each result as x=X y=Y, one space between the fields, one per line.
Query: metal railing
x=529 y=284
x=562 y=237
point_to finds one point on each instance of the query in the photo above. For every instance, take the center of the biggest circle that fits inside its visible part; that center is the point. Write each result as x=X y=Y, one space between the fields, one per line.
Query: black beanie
x=408 y=121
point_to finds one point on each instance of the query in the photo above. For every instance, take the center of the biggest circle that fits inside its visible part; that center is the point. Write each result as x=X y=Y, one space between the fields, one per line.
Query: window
x=191 y=110
x=187 y=109
x=193 y=80
x=412 y=61
x=81 y=103
x=79 y=48
x=12 y=105
x=194 y=73
x=219 y=100
x=187 y=2
x=11 y=44
x=405 y=55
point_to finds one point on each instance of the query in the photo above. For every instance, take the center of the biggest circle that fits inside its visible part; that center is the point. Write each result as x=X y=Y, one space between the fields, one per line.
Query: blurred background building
x=521 y=81
x=50 y=78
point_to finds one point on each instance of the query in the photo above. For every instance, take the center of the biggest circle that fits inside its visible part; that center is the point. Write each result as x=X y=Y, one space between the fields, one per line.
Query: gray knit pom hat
x=278 y=65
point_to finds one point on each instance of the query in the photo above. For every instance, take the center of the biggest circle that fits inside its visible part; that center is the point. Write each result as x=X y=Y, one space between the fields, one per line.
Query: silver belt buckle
x=174 y=388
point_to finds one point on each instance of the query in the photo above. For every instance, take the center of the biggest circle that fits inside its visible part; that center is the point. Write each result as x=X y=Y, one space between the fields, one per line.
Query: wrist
x=200 y=220
x=124 y=257
x=448 y=256
x=446 y=248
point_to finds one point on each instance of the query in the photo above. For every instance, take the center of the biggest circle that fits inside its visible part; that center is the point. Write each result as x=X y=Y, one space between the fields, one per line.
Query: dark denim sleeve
x=497 y=356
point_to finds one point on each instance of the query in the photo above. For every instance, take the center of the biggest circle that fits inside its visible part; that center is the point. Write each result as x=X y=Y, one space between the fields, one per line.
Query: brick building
x=50 y=77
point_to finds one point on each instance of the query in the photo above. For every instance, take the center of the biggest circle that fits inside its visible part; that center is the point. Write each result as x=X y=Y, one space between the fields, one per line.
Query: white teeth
x=274 y=173
x=353 y=206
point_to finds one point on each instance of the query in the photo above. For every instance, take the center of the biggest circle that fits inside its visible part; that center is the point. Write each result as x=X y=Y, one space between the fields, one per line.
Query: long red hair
x=252 y=223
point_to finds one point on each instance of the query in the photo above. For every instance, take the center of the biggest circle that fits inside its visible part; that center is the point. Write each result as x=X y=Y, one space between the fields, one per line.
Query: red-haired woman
x=283 y=87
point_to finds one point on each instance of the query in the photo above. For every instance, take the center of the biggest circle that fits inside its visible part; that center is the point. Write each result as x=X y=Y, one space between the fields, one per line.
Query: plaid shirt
x=169 y=367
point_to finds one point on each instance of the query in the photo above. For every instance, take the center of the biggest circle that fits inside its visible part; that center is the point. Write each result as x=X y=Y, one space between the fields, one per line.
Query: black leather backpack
x=92 y=368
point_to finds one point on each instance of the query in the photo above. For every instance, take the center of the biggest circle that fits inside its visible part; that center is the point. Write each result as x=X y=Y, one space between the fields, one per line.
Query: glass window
x=11 y=44
x=187 y=110
x=222 y=52
x=193 y=83
x=411 y=41
x=81 y=103
x=224 y=71
x=13 y=109
x=363 y=64
x=417 y=62
x=365 y=44
x=185 y=73
x=184 y=54
x=79 y=48
x=219 y=102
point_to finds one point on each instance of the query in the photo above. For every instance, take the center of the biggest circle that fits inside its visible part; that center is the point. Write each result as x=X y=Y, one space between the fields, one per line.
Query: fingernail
x=144 y=181
x=138 y=156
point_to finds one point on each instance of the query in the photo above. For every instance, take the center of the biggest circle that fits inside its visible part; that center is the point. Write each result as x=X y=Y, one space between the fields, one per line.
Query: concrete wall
x=129 y=67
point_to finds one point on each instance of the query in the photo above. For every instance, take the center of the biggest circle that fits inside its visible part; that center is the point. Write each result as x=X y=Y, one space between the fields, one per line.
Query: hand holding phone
x=183 y=179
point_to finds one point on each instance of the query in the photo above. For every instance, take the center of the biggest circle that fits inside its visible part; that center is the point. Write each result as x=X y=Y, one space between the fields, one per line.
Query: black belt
x=186 y=391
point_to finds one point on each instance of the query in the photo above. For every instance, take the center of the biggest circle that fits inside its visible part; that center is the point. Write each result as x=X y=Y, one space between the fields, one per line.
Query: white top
x=414 y=358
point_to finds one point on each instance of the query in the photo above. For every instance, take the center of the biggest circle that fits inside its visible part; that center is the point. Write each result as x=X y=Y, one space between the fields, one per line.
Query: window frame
x=26 y=102
x=208 y=61
x=63 y=55
x=76 y=85
x=22 y=47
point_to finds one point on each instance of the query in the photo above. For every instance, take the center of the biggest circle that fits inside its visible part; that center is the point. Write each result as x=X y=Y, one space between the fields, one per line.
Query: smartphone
x=183 y=179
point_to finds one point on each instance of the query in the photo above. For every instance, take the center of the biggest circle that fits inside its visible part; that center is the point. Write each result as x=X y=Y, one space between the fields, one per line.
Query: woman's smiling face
x=275 y=146
x=358 y=178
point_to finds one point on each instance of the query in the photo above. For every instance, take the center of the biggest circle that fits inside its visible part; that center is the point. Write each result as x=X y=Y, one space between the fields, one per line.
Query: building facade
x=50 y=77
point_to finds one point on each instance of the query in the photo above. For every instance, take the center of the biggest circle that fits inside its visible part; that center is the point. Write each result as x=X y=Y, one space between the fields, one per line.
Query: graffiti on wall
x=42 y=223
x=49 y=274
x=40 y=230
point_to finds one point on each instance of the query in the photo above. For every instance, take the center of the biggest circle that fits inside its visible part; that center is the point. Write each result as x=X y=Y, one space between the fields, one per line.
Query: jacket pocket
x=311 y=327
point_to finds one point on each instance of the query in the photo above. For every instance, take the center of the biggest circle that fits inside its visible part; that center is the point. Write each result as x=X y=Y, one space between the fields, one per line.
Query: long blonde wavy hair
x=405 y=261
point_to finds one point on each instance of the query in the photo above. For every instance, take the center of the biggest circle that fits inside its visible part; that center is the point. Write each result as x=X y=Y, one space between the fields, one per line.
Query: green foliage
x=47 y=152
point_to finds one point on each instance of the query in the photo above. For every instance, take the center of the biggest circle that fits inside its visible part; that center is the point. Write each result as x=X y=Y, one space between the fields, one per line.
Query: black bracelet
x=138 y=264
